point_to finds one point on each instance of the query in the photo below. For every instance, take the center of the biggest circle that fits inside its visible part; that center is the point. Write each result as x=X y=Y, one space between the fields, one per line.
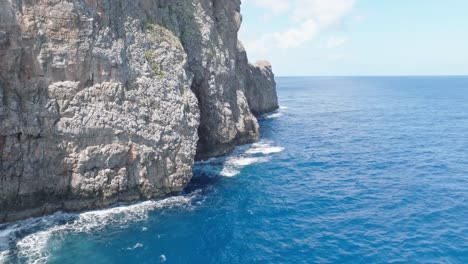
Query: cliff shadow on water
x=108 y=101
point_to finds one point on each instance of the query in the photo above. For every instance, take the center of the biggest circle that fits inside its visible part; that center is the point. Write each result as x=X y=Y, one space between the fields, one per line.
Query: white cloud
x=335 y=42
x=291 y=38
x=325 y=12
x=309 y=18
x=273 y=7
x=359 y=18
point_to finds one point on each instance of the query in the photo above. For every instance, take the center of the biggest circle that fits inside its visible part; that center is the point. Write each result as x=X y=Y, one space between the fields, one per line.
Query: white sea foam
x=5 y=236
x=137 y=245
x=33 y=248
x=242 y=157
x=229 y=172
x=4 y=256
x=233 y=165
x=264 y=148
x=273 y=115
x=245 y=161
x=247 y=155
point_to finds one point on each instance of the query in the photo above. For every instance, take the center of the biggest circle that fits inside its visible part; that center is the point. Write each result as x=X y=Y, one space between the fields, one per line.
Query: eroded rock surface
x=259 y=83
x=261 y=88
x=110 y=100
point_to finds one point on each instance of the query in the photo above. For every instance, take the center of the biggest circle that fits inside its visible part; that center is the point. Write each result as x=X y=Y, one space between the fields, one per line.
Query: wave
x=273 y=115
x=264 y=148
x=232 y=166
x=32 y=248
x=242 y=157
x=4 y=256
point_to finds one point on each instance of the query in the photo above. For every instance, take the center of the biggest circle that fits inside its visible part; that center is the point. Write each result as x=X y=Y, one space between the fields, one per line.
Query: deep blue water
x=349 y=170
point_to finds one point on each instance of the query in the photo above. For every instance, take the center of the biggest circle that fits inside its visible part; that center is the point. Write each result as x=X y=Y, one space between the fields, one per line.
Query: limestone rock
x=104 y=101
x=259 y=84
x=3 y=38
x=261 y=88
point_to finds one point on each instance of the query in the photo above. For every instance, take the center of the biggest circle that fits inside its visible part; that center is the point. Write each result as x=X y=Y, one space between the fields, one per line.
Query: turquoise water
x=349 y=170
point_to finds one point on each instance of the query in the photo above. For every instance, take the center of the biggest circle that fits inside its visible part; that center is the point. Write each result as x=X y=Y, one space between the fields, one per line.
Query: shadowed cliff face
x=107 y=101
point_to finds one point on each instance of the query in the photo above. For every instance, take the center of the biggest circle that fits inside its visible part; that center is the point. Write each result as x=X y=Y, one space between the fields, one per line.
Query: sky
x=357 y=37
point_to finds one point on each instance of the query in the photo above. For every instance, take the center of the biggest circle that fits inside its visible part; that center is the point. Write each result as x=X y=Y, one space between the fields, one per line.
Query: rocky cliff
x=103 y=101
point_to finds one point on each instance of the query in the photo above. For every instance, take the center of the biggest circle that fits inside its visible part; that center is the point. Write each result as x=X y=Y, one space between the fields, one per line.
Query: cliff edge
x=105 y=101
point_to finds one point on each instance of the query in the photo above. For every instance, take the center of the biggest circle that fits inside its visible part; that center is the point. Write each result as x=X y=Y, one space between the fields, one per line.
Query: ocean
x=348 y=170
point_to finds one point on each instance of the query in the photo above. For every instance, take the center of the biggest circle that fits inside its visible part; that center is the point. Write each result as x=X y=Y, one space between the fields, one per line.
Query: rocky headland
x=105 y=101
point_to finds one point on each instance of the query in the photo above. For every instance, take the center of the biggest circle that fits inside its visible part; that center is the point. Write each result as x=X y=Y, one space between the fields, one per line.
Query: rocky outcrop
x=261 y=88
x=259 y=83
x=104 y=101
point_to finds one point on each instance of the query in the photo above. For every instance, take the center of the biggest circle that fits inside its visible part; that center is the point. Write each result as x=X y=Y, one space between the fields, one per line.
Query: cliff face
x=110 y=100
